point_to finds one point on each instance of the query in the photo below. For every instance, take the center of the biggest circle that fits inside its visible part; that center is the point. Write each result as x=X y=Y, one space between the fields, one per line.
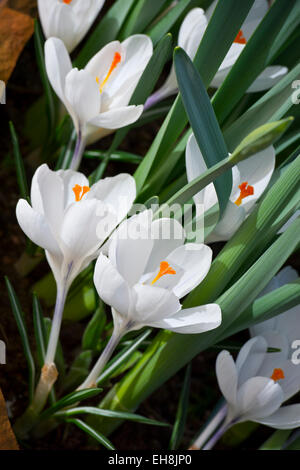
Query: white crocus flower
x=190 y=34
x=257 y=384
x=147 y=271
x=67 y=218
x=250 y=179
x=68 y=20
x=189 y=37
x=97 y=97
x=287 y=323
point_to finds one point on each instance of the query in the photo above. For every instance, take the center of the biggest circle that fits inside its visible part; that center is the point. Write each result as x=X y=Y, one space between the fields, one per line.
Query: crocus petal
x=35 y=193
x=82 y=92
x=100 y=63
x=110 y=285
x=118 y=117
x=195 y=261
x=80 y=232
x=287 y=417
x=257 y=398
x=291 y=383
x=231 y=220
x=274 y=360
x=70 y=179
x=36 y=227
x=195 y=166
x=227 y=376
x=119 y=192
x=152 y=303
x=268 y=78
x=58 y=65
x=250 y=358
x=192 y=30
x=256 y=171
x=193 y=320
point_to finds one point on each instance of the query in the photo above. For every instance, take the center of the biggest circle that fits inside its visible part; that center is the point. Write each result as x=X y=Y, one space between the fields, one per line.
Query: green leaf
x=106 y=31
x=203 y=121
x=39 y=330
x=276 y=440
x=208 y=64
x=260 y=138
x=144 y=11
x=110 y=414
x=94 y=329
x=118 y=156
x=290 y=25
x=181 y=414
x=120 y=359
x=272 y=106
x=78 y=371
x=69 y=400
x=251 y=61
x=91 y=432
x=20 y=170
x=50 y=103
x=17 y=311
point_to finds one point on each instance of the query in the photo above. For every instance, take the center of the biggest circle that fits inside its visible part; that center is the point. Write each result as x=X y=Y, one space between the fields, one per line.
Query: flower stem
x=78 y=152
x=210 y=428
x=91 y=380
x=214 y=439
x=56 y=324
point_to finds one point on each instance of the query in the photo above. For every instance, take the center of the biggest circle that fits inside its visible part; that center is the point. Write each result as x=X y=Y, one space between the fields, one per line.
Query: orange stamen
x=115 y=62
x=278 y=374
x=164 y=268
x=240 y=38
x=67 y=1
x=80 y=191
x=246 y=190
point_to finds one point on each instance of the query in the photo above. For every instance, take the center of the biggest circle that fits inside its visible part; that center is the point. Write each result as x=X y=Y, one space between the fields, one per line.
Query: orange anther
x=164 y=268
x=278 y=374
x=240 y=38
x=80 y=191
x=246 y=190
x=67 y=1
x=115 y=62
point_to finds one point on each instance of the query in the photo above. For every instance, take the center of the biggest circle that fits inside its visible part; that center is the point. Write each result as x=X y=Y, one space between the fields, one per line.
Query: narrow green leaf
x=110 y=414
x=272 y=106
x=94 y=329
x=252 y=60
x=78 y=371
x=91 y=432
x=122 y=357
x=181 y=414
x=290 y=25
x=260 y=138
x=69 y=400
x=106 y=31
x=144 y=11
x=20 y=170
x=17 y=311
x=118 y=156
x=50 y=103
x=203 y=121
x=39 y=330
x=208 y=64
x=277 y=440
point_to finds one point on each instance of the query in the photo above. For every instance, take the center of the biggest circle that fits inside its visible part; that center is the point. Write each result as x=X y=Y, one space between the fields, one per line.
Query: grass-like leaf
x=91 y=432
x=182 y=409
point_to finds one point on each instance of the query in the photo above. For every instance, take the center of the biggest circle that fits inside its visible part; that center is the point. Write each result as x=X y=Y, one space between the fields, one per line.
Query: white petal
x=35 y=194
x=195 y=261
x=250 y=358
x=191 y=31
x=99 y=65
x=268 y=78
x=119 y=192
x=274 y=360
x=118 y=117
x=227 y=376
x=195 y=166
x=257 y=398
x=83 y=94
x=287 y=417
x=58 y=65
x=153 y=303
x=231 y=220
x=193 y=320
x=36 y=227
x=111 y=287
x=79 y=231
x=69 y=179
